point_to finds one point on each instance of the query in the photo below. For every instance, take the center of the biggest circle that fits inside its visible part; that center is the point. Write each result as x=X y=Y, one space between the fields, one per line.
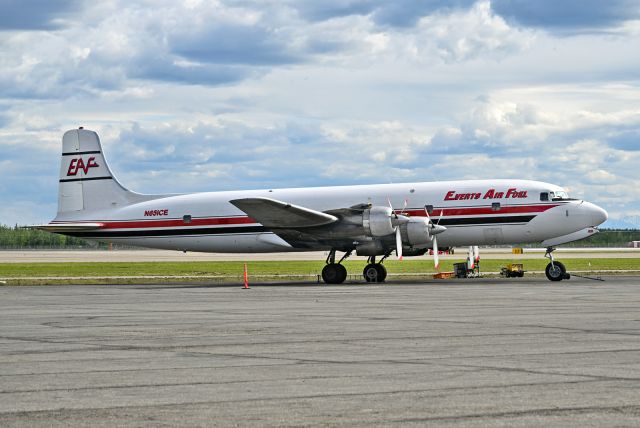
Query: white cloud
x=468 y=34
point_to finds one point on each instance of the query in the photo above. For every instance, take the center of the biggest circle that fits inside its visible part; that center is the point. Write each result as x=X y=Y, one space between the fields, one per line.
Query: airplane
x=407 y=219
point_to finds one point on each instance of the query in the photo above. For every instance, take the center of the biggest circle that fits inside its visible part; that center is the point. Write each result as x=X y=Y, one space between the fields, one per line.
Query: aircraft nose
x=598 y=215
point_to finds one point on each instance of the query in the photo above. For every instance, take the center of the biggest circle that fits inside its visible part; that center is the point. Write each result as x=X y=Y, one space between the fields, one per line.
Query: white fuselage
x=475 y=212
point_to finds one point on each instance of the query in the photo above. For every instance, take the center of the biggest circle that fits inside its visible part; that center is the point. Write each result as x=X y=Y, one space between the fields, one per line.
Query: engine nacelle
x=416 y=231
x=371 y=248
x=377 y=221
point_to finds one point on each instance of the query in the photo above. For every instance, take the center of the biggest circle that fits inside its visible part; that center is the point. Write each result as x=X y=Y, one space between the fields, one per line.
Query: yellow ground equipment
x=513 y=270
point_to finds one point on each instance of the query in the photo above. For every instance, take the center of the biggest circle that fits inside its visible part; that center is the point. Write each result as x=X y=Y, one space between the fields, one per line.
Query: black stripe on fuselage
x=476 y=221
x=89 y=152
x=485 y=220
x=67 y=180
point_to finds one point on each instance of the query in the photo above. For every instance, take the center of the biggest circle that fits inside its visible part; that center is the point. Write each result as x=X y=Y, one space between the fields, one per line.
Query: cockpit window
x=544 y=196
x=559 y=195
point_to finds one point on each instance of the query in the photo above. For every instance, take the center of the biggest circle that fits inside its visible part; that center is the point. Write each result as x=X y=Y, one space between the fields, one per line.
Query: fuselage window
x=495 y=206
x=186 y=219
x=544 y=196
x=429 y=208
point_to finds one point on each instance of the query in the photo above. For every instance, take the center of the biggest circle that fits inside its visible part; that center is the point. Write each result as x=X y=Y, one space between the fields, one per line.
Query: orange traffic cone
x=246 y=278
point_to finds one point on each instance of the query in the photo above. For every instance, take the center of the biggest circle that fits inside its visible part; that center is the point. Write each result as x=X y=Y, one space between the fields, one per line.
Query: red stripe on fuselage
x=178 y=223
x=222 y=221
x=516 y=209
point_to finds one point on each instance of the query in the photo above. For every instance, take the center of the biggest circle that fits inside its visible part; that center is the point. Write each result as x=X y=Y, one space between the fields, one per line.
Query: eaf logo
x=77 y=164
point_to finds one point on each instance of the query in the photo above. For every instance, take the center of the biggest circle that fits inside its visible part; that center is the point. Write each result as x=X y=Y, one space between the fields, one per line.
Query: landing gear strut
x=375 y=272
x=334 y=273
x=555 y=271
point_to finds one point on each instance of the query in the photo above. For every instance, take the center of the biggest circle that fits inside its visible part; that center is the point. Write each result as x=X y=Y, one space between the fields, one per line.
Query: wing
x=281 y=215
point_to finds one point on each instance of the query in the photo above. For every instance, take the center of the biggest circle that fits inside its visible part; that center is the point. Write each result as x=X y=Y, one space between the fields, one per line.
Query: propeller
x=399 y=219
x=436 y=257
x=433 y=230
x=398 y=243
x=404 y=206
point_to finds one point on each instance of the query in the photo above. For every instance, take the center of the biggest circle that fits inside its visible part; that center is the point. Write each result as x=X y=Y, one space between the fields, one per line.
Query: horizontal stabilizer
x=66 y=227
x=277 y=214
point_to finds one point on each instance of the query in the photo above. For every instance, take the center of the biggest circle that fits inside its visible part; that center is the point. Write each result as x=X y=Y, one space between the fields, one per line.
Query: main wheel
x=382 y=272
x=334 y=273
x=342 y=273
x=374 y=272
x=370 y=273
x=555 y=271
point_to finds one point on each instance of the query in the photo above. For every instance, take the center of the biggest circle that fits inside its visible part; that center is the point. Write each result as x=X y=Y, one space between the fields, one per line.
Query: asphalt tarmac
x=476 y=352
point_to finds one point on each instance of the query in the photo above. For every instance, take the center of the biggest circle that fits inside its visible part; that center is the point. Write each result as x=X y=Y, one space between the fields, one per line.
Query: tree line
x=608 y=238
x=18 y=238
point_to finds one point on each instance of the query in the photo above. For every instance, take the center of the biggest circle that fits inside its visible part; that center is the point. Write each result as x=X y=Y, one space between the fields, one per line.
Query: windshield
x=559 y=195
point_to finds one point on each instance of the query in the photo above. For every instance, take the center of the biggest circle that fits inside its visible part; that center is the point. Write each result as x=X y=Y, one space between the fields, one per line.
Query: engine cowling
x=371 y=248
x=416 y=231
x=377 y=221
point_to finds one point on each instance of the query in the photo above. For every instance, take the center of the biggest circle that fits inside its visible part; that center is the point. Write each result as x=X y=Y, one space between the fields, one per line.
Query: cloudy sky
x=218 y=95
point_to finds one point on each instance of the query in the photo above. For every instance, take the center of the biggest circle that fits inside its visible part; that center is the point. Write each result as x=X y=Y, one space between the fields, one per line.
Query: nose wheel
x=555 y=271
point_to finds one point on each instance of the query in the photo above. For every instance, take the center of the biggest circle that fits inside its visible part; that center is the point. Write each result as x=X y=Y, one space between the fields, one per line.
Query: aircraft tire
x=382 y=272
x=374 y=272
x=334 y=273
x=342 y=273
x=555 y=272
x=370 y=272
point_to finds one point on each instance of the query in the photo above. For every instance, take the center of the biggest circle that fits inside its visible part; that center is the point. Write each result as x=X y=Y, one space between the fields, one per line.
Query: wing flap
x=277 y=214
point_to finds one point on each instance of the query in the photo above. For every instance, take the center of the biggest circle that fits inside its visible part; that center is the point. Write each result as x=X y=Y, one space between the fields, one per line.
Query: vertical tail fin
x=86 y=182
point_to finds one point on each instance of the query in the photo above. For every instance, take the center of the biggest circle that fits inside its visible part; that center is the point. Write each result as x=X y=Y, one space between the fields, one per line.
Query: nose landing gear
x=555 y=271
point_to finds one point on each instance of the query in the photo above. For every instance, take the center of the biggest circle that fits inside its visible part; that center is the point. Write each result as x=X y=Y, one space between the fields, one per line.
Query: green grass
x=279 y=268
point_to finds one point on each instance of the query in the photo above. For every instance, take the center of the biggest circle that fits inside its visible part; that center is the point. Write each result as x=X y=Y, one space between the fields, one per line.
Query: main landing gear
x=336 y=273
x=555 y=271
x=375 y=272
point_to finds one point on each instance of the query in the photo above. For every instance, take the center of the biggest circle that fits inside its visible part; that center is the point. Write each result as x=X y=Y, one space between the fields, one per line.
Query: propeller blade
x=404 y=207
x=436 y=259
x=427 y=213
x=439 y=217
x=391 y=206
x=398 y=243
x=471 y=261
x=476 y=253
